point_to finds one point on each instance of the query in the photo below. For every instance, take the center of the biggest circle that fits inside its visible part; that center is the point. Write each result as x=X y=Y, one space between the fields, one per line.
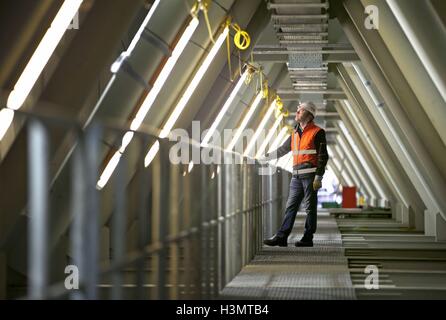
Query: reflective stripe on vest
x=309 y=151
x=303 y=171
x=303 y=147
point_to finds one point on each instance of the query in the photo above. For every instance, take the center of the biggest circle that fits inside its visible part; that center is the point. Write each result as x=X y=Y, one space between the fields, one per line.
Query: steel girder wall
x=354 y=118
x=363 y=173
x=347 y=163
x=196 y=226
x=419 y=46
x=429 y=44
x=342 y=180
x=69 y=89
x=379 y=137
x=423 y=147
x=198 y=100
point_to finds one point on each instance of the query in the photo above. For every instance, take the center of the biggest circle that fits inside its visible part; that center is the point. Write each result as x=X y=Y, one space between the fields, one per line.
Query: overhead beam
x=299 y=16
x=294 y=91
x=340 y=57
x=325 y=96
x=274 y=58
x=309 y=50
x=326 y=57
x=321 y=114
x=297 y=5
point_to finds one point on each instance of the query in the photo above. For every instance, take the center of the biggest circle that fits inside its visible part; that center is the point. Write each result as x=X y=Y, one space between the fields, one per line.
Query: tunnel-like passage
x=149 y=149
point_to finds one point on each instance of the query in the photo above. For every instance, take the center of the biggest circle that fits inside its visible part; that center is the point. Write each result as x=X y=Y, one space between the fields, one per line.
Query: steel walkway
x=320 y=272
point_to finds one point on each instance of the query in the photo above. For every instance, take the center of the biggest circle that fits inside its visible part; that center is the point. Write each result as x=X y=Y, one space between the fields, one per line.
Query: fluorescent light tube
x=224 y=109
x=152 y=95
x=190 y=166
x=245 y=121
x=280 y=137
x=280 y=142
x=111 y=166
x=6 y=117
x=193 y=84
x=152 y=153
x=164 y=74
x=116 y=65
x=43 y=53
x=260 y=128
x=269 y=136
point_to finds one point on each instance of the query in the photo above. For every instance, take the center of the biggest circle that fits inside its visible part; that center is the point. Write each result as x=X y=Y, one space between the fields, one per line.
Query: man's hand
x=317 y=184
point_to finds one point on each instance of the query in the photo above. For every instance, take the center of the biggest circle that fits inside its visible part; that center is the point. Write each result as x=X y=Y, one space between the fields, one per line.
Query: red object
x=348 y=197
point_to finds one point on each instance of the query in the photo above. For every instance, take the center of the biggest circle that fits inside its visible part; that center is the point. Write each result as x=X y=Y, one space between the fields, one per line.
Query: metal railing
x=165 y=233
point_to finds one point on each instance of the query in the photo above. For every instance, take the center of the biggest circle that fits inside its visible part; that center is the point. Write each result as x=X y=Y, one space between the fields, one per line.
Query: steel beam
x=340 y=57
x=299 y=16
x=414 y=64
x=358 y=106
x=336 y=172
x=420 y=147
x=309 y=50
x=297 y=5
x=347 y=166
x=363 y=173
x=326 y=91
x=374 y=129
x=427 y=37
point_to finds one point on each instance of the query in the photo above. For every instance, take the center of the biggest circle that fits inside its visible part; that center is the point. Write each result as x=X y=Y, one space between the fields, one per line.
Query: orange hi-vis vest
x=303 y=147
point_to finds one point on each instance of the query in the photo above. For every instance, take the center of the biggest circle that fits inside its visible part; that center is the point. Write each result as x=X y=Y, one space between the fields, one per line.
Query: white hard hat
x=309 y=106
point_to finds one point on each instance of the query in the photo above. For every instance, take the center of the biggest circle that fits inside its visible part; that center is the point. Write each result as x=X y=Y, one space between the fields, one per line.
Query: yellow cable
x=265 y=89
x=242 y=40
x=194 y=10
x=251 y=72
x=228 y=46
x=279 y=103
x=261 y=79
x=204 y=7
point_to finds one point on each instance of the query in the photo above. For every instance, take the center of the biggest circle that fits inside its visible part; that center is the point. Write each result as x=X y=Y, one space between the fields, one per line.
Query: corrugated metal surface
x=320 y=272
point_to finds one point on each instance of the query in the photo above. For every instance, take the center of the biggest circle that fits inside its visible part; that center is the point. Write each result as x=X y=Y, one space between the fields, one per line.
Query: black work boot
x=276 y=241
x=304 y=242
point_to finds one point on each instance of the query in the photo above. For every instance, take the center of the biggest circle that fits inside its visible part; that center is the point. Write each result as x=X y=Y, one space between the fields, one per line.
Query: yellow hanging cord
x=204 y=7
x=251 y=72
x=194 y=10
x=239 y=63
x=279 y=103
x=265 y=89
x=242 y=40
x=258 y=86
x=279 y=108
x=261 y=80
x=228 y=46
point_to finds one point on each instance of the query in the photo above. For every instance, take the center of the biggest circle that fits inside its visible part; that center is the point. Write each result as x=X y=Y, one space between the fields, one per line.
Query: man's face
x=300 y=114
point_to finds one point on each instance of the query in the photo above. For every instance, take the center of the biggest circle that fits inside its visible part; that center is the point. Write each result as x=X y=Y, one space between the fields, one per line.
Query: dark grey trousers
x=300 y=189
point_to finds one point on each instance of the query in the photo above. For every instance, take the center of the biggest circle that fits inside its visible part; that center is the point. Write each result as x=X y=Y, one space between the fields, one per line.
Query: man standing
x=309 y=147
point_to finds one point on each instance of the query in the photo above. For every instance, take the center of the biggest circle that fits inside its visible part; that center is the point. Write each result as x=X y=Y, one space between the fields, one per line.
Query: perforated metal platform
x=320 y=272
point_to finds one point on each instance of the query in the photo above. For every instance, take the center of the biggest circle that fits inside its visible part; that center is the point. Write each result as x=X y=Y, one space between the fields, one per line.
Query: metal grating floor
x=320 y=272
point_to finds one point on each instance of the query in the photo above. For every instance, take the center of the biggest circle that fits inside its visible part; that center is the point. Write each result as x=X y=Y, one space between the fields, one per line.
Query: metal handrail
x=220 y=208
